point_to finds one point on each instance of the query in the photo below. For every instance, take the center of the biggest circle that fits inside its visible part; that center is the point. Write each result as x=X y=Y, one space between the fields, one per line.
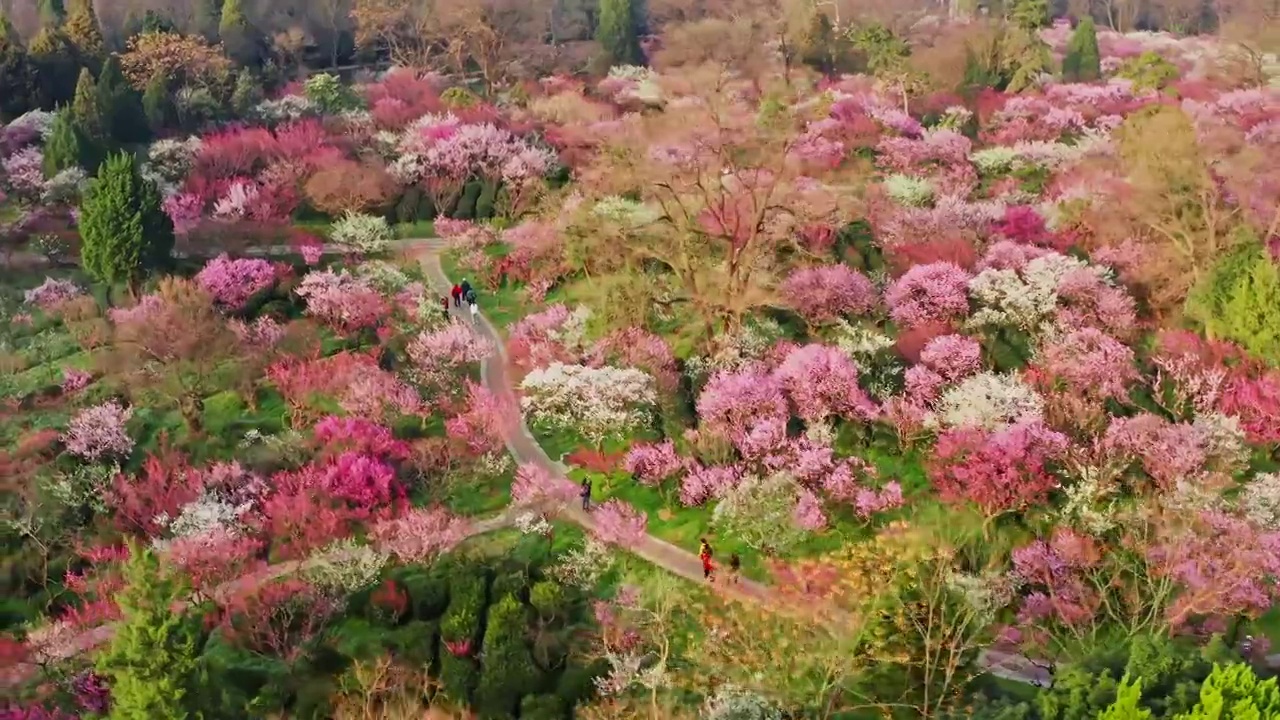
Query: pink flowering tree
x=826 y=293
x=822 y=383
x=232 y=283
x=733 y=404
x=617 y=523
x=420 y=535
x=100 y=433
x=483 y=425
x=937 y=292
x=535 y=485
x=52 y=293
x=214 y=557
x=341 y=300
x=1000 y=471
x=438 y=355
x=544 y=337
x=1090 y=363
x=652 y=464
x=952 y=357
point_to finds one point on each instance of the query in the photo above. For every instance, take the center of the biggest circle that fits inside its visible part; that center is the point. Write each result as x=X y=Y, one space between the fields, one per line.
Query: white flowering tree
x=760 y=512
x=363 y=233
x=990 y=401
x=345 y=566
x=595 y=402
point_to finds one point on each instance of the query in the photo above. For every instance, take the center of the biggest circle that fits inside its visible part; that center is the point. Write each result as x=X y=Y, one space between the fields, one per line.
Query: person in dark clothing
x=585 y=493
x=735 y=567
x=465 y=287
x=704 y=554
x=444 y=304
x=470 y=296
x=457 y=295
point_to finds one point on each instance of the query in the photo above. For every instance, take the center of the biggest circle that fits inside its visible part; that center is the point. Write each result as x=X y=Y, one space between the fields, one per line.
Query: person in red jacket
x=704 y=554
x=444 y=305
x=457 y=295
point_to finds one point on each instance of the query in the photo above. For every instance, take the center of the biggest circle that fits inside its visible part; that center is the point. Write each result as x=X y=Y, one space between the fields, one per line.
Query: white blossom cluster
x=169 y=162
x=598 y=402
x=201 y=516
x=286 y=109
x=624 y=212
x=383 y=276
x=730 y=702
x=989 y=401
x=909 y=191
x=361 y=232
x=995 y=160
x=859 y=341
x=1025 y=300
x=1090 y=503
x=532 y=523
x=628 y=669
x=84 y=485
x=1260 y=500
x=39 y=120
x=65 y=187
x=986 y=593
x=1225 y=442
x=583 y=567
x=759 y=512
x=346 y=566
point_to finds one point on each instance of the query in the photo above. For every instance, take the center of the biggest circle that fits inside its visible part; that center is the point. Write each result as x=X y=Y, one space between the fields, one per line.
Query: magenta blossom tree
x=651 y=464
x=937 y=292
x=826 y=293
x=231 y=283
x=1091 y=363
x=733 y=403
x=997 y=471
x=822 y=382
x=617 y=523
x=952 y=357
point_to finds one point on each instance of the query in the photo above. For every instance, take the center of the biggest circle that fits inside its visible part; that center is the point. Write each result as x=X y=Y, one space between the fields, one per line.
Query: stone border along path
x=524 y=448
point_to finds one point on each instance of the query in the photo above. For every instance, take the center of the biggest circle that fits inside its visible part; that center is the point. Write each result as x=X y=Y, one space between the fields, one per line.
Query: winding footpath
x=525 y=449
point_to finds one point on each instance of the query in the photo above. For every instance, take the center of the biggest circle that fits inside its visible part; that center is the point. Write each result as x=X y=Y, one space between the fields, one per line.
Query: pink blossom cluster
x=937 y=292
x=263 y=333
x=420 y=535
x=808 y=513
x=360 y=435
x=998 y=470
x=185 y=210
x=940 y=147
x=100 y=432
x=376 y=393
x=74 y=379
x=1054 y=573
x=1169 y=453
x=537 y=256
x=1009 y=255
x=24 y=171
x=52 y=293
x=733 y=404
x=342 y=300
x=1091 y=363
x=438 y=353
x=538 y=486
x=233 y=282
x=638 y=348
x=535 y=337
x=142 y=313
x=705 y=483
x=617 y=523
x=828 y=292
x=482 y=425
x=652 y=463
x=952 y=357
x=822 y=383
x=1256 y=402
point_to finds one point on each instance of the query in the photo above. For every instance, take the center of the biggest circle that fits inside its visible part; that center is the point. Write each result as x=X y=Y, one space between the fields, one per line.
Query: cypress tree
x=55 y=67
x=152 y=661
x=157 y=106
x=86 y=109
x=51 y=13
x=18 y=92
x=153 y=22
x=617 y=32
x=247 y=93
x=66 y=147
x=1082 y=62
x=84 y=34
x=1030 y=15
x=121 y=105
x=123 y=229
x=237 y=34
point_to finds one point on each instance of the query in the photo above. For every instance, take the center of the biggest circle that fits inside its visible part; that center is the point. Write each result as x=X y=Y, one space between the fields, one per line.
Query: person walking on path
x=585 y=493
x=465 y=287
x=735 y=567
x=457 y=295
x=444 y=304
x=469 y=294
x=475 y=309
x=705 y=553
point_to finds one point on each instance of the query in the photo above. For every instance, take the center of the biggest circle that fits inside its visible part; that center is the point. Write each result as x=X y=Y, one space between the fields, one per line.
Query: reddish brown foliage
x=951 y=248
x=349 y=186
x=278 y=617
x=912 y=341
x=166 y=483
x=595 y=460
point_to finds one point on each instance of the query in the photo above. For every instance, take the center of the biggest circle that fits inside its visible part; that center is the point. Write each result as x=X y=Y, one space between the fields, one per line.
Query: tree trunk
x=191 y=406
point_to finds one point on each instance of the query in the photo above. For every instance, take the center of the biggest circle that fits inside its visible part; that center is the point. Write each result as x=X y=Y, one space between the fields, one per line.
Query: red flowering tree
x=278 y=618
x=998 y=471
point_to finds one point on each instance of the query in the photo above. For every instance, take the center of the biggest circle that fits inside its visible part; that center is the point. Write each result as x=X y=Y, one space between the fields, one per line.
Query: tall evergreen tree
x=18 y=91
x=66 y=147
x=1083 y=61
x=207 y=16
x=247 y=93
x=617 y=32
x=124 y=231
x=51 y=13
x=152 y=662
x=84 y=34
x=86 y=109
x=121 y=105
x=1030 y=15
x=238 y=36
x=157 y=105
x=55 y=67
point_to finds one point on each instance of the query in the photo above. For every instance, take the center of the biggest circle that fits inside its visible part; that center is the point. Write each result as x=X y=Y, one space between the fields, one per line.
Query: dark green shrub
x=458 y=677
x=414 y=206
x=486 y=200
x=548 y=598
x=577 y=683
x=357 y=638
x=416 y=642
x=428 y=593
x=512 y=583
x=508 y=672
x=542 y=707
x=466 y=209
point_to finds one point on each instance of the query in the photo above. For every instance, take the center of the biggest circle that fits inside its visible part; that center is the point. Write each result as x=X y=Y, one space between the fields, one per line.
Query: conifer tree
x=1128 y=703
x=617 y=33
x=247 y=93
x=86 y=109
x=121 y=105
x=55 y=67
x=18 y=92
x=51 y=13
x=66 y=147
x=157 y=106
x=1083 y=61
x=84 y=34
x=1030 y=15
x=124 y=231
x=152 y=661
x=237 y=34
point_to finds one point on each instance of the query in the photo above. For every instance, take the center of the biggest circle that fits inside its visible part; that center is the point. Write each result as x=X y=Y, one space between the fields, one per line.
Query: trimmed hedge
x=428 y=593
x=508 y=673
x=466 y=209
x=417 y=642
x=543 y=707
x=486 y=200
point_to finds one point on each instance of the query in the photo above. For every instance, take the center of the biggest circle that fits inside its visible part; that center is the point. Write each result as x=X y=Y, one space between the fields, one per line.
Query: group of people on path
x=462 y=292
